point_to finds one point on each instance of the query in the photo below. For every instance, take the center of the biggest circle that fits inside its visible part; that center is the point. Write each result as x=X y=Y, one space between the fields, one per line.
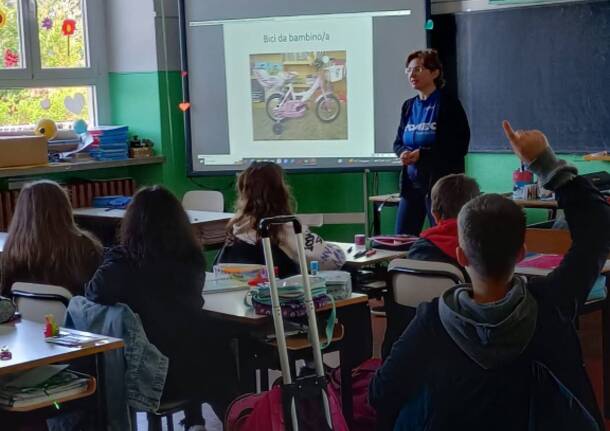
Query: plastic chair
x=411 y=283
x=417 y=281
x=166 y=410
x=203 y=200
x=35 y=300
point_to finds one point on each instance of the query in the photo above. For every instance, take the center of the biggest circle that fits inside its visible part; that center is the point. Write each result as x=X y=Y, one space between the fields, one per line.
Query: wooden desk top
x=231 y=306
x=25 y=340
x=394 y=198
x=3 y=237
x=536 y=203
x=196 y=217
x=390 y=199
x=379 y=256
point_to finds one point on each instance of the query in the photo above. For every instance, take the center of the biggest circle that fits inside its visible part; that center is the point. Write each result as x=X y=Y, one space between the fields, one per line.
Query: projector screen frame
x=191 y=172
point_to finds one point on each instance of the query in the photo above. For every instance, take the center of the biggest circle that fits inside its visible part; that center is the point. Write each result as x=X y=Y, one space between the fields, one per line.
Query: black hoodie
x=475 y=376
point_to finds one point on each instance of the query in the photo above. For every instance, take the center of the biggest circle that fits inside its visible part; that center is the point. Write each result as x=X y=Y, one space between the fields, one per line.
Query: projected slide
x=288 y=86
x=306 y=86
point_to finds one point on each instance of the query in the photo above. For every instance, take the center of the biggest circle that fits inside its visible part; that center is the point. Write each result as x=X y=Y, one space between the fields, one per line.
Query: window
x=53 y=63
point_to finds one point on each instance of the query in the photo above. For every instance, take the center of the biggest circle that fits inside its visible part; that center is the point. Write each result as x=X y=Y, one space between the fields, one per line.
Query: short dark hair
x=156 y=228
x=431 y=62
x=451 y=192
x=491 y=231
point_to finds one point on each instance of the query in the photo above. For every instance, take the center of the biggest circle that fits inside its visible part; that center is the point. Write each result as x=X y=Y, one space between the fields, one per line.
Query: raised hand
x=526 y=144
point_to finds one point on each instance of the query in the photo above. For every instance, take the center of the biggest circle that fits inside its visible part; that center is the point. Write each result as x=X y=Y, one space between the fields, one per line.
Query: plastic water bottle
x=314 y=267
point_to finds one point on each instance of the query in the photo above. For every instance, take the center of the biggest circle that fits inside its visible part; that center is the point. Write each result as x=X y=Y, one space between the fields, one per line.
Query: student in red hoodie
x=439 y=243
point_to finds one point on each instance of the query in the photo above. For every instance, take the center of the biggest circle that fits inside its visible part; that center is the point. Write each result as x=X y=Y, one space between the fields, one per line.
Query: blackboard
x=545 y=67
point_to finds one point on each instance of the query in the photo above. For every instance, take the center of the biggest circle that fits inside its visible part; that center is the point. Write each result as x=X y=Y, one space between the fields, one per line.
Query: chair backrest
x=203 y=200
x=417 y=281
x=34 y=301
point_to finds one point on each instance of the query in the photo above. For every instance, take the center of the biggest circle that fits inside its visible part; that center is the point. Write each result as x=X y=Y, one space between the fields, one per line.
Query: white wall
x=131 y=36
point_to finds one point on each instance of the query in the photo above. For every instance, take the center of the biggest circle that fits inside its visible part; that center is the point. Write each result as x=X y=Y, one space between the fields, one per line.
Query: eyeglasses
x=416 y=69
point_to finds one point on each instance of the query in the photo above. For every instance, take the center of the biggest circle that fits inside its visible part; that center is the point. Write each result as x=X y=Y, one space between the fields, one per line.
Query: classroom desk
x=380 y=256
x=353 y=313
x=26 y=342
x=209 y=225
x=379 y=201
x=393 y=199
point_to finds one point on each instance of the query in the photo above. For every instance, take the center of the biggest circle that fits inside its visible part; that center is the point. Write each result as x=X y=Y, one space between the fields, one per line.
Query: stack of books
x=111 y=143
x=42 y=385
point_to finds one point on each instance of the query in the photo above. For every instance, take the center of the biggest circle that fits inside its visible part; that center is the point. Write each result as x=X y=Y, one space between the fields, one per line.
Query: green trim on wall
x=148 y=104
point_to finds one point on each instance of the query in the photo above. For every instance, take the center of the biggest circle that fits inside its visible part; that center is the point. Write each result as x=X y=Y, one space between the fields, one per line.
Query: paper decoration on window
x=11 y=58
x=68 y=28
x=45 y=104
x=2 y=18
x=75 y=104
x=184 y=106
x=47 y=23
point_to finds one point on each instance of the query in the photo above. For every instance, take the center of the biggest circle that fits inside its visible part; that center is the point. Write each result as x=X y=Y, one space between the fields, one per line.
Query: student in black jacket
x=431 y=142
x=158 y=270
x=464 y=362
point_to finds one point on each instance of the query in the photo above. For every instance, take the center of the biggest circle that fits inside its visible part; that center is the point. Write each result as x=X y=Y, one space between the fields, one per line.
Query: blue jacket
x=474 y=378
x=133 y=377
x=447 y=154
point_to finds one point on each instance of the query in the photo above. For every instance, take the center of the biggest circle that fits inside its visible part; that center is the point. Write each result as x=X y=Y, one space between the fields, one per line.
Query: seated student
x=44 y=245
x=448 y=196
x=465 y=361
x=158 y=270
x=263 y=192
x=437 y=244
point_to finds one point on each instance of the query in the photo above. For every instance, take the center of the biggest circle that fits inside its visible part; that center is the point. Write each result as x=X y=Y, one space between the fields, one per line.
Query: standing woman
x=431 y=142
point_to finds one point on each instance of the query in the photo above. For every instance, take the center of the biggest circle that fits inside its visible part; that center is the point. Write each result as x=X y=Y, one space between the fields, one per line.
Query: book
x=218 y=284
x=46 y=386
x=70 y=339
x=541 y=261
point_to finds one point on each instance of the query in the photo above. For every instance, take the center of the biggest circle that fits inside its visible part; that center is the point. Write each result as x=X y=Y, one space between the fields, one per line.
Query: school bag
x=305 y=403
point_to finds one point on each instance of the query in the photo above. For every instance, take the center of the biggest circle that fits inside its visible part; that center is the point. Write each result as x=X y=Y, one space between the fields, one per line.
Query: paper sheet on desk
x=85 y=140
x=35 y=376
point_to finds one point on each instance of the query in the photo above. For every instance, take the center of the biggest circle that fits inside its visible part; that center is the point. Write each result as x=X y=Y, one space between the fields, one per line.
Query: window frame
x=34 y=76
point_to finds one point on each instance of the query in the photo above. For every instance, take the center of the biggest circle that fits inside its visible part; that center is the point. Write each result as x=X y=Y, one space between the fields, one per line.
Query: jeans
x=412 y=210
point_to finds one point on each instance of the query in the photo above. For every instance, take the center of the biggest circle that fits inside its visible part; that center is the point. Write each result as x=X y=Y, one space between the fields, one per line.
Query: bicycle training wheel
x=272 y=104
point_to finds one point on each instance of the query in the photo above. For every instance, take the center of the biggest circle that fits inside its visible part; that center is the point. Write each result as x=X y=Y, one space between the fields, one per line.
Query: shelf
x=85 y=392
x=59 y=167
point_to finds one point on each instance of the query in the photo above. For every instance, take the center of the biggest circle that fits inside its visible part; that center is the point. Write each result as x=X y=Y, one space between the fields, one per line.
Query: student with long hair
x=158 y=270
x=44 y=245
x=262 y=192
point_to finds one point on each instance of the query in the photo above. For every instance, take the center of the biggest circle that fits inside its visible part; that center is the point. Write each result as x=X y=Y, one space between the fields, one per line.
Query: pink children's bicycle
x=285 y=102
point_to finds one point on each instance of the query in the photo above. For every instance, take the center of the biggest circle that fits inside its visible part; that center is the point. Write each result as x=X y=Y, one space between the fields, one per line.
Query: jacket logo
x=421 y=127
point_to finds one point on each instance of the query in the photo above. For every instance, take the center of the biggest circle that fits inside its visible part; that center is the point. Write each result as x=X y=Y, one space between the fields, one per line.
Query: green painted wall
x=148 y=103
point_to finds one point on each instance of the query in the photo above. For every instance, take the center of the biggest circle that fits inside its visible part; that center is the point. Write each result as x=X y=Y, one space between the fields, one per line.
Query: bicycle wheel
x=273 y=102
x=328 y=108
